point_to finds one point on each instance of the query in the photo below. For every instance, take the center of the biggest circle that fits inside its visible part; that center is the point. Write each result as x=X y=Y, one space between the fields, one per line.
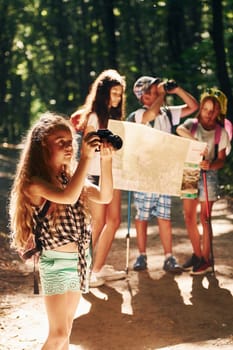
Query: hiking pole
x=35 y=277
x=128 y=233
x=208 y=220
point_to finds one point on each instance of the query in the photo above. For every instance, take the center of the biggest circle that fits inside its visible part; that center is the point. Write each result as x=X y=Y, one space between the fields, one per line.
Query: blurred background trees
x=51 y=51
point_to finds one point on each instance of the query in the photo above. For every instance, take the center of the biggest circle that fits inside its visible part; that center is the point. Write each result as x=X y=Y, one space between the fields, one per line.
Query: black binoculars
x=169 y=85
x=106 y=135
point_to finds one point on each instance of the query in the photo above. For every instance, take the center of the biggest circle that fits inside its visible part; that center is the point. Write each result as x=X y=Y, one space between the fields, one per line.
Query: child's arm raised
x=40 y=188
x=103 y=194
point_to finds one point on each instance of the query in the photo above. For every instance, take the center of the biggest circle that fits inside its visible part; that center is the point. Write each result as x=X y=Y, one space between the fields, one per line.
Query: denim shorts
x=212 y=186
x=149 y=205
x=58 y=272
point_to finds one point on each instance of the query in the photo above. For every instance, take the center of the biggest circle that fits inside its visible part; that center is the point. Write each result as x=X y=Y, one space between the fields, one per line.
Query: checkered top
x=70 y=226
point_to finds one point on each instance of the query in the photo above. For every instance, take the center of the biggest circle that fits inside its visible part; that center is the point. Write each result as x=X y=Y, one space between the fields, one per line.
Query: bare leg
x=98 y=213
x=106 y=236
x=190 y=216
x=60 y=309
x=206 y=233
x=141 y=230
x=165 y=231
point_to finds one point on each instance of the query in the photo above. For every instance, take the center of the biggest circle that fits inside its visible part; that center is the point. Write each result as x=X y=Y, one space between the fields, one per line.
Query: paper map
x=154 y=161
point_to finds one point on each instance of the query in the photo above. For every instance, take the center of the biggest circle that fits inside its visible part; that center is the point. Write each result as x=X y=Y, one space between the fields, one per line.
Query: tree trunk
x=218 y=42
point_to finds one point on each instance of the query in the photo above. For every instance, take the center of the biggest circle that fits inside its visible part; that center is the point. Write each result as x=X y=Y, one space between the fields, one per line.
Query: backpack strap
x=194 y=126
x=41 y=214
x=32 y=251
x=44 y=210
x=131 y=117
x=37 y=248
x=218 y=131
x=168 y=112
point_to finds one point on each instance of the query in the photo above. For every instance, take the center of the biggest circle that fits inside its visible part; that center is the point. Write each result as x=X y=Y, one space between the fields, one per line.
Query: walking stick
x=208 y=221
x=128 y=233
x=35 y=277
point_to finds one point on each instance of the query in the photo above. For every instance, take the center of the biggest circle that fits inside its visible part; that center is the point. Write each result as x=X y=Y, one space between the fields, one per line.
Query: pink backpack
x=229 y=127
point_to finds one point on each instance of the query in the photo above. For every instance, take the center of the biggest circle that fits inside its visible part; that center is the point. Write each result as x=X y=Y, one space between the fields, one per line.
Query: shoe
x=108 y=273
x=191 y=262
x=202 y=268
x=95 y=280
x=141 y=263
x=171 y=265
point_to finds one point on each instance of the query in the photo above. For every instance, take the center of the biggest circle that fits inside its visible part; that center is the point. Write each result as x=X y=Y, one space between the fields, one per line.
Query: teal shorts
x=58 y=272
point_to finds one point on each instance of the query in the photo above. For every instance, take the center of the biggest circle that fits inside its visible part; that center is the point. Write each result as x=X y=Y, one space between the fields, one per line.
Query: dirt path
x=150 y=310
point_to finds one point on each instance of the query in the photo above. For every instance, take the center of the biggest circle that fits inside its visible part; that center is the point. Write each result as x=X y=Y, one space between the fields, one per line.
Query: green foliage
x=51 y=52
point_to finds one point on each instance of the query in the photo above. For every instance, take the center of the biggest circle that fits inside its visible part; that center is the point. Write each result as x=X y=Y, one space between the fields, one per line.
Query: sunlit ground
x=28 y=323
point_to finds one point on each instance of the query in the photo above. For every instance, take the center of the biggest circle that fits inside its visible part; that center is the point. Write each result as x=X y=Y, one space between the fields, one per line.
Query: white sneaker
x=96 y=280
x=109 y=274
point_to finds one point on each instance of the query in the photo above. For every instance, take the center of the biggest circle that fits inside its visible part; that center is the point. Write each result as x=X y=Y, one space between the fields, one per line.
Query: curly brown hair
x=34 y=161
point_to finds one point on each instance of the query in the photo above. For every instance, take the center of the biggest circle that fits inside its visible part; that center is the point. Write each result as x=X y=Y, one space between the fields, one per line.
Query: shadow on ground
x=150 y=310
x=160 y=316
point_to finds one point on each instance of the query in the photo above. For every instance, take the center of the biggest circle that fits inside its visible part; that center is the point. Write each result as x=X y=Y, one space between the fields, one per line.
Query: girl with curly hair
x=47 y=173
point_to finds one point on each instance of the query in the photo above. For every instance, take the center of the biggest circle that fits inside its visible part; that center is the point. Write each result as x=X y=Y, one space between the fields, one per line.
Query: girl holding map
x=208 y=126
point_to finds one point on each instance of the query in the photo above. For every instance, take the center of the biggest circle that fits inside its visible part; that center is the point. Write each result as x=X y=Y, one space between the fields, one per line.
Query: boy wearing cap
x=206 y=127
x=151 y=94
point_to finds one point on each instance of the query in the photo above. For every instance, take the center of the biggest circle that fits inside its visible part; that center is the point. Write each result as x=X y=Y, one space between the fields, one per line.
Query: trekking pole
x=128 y=233
x=35 y=277
x=208 y=221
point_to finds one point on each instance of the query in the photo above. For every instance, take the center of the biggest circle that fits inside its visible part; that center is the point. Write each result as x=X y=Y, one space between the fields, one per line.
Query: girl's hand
x=205 y=164
x=106 y=150
x=90 y=144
